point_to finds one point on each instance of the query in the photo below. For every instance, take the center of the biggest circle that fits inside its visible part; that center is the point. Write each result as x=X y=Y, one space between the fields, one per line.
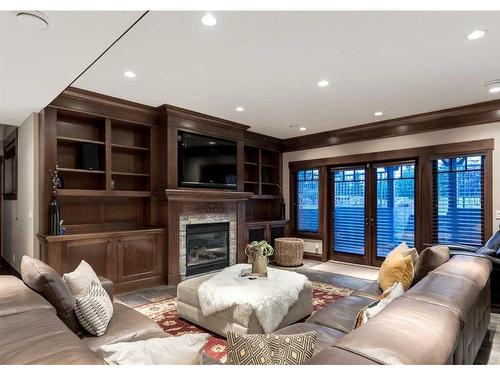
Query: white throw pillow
x=80 y=280
x=175 y=350
x=94 y=309
x=389 y=295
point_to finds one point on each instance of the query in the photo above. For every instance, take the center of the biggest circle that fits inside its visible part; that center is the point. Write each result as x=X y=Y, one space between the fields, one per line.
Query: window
x=348 y=212
x=10 y=167
x=458 y=200
x=307 y=200
x=395 y=217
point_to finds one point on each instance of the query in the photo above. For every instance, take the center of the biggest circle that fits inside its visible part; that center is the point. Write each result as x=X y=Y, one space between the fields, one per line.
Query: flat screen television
x=206 y=162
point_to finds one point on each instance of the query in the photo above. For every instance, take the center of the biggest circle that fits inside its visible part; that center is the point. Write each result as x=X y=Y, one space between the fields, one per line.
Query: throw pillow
x=270 y=349
x=47 y=282
x=430 y=259
x=79 y=281
x=396 y=268
x=404 y=249
x=389 y=295
x=94 y=309
x=175 y=350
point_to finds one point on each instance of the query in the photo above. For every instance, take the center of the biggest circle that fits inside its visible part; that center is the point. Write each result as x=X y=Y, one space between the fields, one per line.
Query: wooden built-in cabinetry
x=131 y=259
x=122 y=216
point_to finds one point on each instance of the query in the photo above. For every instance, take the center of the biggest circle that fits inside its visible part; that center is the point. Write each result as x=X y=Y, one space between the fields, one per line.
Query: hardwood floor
x=489 y=353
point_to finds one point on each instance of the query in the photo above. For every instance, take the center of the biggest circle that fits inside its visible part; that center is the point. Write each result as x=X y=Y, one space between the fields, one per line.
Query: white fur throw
x=270 y=298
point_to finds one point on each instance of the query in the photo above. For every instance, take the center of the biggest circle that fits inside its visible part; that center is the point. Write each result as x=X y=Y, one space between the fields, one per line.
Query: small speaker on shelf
x=88 y=157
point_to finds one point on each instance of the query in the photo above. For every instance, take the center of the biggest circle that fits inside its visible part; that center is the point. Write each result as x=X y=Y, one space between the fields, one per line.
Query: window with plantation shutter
x=458 y=200
x=307 y=213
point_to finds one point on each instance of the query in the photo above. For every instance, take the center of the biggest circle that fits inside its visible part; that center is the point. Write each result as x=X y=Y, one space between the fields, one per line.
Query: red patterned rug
x=165 y=314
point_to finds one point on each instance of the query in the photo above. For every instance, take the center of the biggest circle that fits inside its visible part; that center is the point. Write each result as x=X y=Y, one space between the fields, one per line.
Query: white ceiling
x=401 y=63
x=35 y=66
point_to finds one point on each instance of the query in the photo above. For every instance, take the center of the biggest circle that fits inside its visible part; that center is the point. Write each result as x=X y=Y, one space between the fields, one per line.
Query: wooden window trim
x=11 y=143
x=293 y=207
x=423 y=157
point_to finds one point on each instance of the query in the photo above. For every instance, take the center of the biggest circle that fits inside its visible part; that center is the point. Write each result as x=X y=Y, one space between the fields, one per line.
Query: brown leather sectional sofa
x=441 y=320
x=31 y=332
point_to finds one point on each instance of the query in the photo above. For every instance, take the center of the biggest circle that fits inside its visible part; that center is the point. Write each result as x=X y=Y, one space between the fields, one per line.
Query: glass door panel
x=395 y=206
x=348 y=211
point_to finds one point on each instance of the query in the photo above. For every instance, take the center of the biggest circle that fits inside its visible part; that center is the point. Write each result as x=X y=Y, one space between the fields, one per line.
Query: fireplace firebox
x=207 y=247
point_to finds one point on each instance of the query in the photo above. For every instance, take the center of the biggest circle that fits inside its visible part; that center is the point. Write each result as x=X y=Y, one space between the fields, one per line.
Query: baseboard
x=312 y=256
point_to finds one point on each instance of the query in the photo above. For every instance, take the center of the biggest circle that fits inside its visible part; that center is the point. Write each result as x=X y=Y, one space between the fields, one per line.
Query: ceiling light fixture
x=240 y=109
x=129 y=74
x=33 y=19
x=476 y=34
x=302 y=128
x=493 y=86
x=378 y=113
x=208 y=19
x=323 y=83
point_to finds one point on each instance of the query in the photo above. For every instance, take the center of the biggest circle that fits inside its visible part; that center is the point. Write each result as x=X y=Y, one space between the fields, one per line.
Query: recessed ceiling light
x=302 y=128
x=212 y=143
x=476 y=34
x=129 y=74
x=493 y=86
x=33 y=19
x=208 y=19
x=240 y=109
x=323 y=83
x=378 y=113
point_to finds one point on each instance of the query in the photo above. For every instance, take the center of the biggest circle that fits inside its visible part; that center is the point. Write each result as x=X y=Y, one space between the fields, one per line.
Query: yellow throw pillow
x=404 y=249
x=396 y=268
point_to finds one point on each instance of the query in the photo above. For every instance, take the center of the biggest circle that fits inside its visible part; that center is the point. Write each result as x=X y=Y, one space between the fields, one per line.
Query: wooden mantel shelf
x=198 y=195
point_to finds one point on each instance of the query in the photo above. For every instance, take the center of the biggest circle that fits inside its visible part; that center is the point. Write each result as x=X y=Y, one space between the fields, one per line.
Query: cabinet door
x=256 y=233
x=138 y=257
x=96 y=252
x=276 y=231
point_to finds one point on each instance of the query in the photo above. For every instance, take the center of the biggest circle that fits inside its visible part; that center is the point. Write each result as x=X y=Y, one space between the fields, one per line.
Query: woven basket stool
x=288 y=251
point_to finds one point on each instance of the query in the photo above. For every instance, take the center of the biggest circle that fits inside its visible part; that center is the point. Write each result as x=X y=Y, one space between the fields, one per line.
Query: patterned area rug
x=165 y=314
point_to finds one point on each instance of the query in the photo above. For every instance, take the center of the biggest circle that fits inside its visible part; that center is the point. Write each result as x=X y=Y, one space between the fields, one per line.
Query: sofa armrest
x=462 y=248
x=107 y=285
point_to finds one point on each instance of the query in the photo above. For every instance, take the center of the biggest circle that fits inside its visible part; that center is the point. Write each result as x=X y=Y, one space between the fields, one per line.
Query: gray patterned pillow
x=94 y=309
x=270 y=349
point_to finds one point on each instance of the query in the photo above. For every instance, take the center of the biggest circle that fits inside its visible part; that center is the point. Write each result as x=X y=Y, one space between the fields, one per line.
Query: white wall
x=470 y=133
x=19 y=220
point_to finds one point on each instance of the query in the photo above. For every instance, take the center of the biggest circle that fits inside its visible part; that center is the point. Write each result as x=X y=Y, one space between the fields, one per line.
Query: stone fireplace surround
x=191 y=206
x=195 y=218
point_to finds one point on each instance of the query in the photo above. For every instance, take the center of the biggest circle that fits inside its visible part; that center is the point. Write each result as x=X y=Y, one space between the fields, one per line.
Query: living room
x=251 y=185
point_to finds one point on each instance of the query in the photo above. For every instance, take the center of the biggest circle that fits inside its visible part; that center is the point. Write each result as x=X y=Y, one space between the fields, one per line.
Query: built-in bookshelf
x=123 y=161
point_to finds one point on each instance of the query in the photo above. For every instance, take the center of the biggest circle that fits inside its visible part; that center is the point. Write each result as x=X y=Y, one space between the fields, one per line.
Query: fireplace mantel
x=204 y=195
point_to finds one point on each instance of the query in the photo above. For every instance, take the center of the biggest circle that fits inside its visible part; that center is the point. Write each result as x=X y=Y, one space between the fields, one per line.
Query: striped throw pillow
x=94 y=310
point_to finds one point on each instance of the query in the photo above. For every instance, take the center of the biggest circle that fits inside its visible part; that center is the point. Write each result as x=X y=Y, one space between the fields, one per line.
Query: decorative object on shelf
x=289 y=251
x=113 y=183
x=62 y=230
x=55 y=216
x=282 y=204
x=258 y=253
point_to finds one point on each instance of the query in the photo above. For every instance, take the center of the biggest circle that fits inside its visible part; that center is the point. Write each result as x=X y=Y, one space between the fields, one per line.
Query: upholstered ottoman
x=235 y=318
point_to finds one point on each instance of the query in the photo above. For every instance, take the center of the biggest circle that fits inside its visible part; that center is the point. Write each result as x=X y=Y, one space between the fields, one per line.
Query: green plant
x=262 y=247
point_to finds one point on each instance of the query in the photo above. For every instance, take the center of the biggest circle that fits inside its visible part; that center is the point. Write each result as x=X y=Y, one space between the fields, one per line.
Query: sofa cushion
x=40 y=338
x=270 y=349
x=94 y=309
x=397 y=335
x=371 y=290
x=44 y=280
x=430 y=259
x=396 y=268
x=456 y=293
x=16 y=297
x=326 y=336
x=127 y=325
x=341 y=314
x=474 y=268
x=374 y=308
x=80 y=280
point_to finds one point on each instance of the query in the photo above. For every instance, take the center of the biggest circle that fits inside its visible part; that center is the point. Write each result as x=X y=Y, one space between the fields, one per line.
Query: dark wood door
x=137 y=257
